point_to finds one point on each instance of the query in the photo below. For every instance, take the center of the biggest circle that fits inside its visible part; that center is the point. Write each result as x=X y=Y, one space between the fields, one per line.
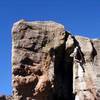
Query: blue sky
x=81 y=17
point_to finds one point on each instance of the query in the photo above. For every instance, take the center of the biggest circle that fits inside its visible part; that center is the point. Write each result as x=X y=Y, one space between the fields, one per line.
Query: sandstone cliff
x=48 y=63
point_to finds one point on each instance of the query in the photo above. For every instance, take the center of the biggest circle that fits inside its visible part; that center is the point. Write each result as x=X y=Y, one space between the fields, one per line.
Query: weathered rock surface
x=34 y=47
x=96 y=43
x=85 y=84
x=51 y=64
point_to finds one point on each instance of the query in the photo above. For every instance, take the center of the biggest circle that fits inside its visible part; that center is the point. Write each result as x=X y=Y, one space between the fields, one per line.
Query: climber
x=76 y=60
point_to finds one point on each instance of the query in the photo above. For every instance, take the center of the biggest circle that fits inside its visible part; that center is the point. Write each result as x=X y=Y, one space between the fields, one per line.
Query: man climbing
x=78 y=71
x=78 y=62
x=80 y=85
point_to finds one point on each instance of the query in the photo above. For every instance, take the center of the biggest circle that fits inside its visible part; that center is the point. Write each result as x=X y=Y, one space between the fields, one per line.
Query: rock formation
x=48 y=63
x=96 y=43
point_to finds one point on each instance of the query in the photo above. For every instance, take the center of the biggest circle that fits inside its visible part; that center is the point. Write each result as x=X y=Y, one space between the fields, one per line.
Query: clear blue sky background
x=81 y=17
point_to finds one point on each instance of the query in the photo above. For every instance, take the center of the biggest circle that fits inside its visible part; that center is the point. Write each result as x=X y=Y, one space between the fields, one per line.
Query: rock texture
x=34 y=47
x=48 y=63
x=85 y=83
x=96 y=43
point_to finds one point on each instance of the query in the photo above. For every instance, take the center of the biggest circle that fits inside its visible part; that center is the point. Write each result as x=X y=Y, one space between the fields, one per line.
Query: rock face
x=96 y=43
x=34 y=47
x=48 y=63
x=85 y=82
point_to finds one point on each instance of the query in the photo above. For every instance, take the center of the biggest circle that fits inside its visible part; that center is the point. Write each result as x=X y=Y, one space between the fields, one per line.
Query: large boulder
x=33 y=58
